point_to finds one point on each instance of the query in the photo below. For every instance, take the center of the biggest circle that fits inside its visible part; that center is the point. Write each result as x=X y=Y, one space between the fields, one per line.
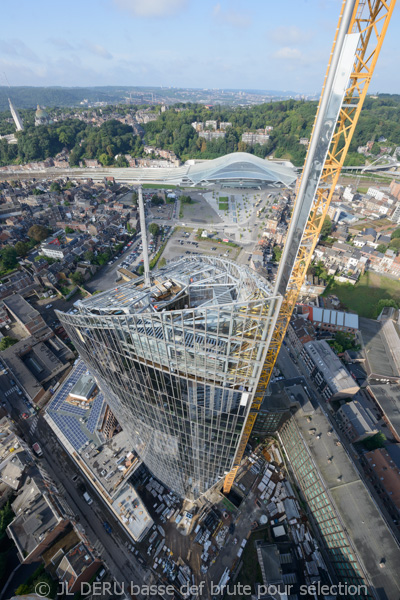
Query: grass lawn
x=375 y=223
x=363 y=297
x=157 y=186
x=223 y=203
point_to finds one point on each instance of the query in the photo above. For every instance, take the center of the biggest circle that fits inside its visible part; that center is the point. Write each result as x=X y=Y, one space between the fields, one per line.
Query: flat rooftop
x=132 y=512
x=358 y=513
x=185 y=283
x=21 y=308
x=78 y=428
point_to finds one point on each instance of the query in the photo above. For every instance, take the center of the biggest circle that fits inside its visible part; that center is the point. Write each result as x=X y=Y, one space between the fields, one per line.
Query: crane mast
x=358 y=40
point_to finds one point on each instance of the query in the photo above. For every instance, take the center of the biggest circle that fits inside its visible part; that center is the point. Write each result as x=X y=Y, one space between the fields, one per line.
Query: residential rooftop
x=335 y=374
x=388 y=399
x=382 y=349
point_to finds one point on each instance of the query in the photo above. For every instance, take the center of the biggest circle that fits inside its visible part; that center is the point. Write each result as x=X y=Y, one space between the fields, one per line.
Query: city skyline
x=124 y=42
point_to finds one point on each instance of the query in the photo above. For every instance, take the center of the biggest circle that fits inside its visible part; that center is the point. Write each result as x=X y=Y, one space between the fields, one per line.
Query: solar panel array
x=59 y=401
x=95 y=412
x=71 y=429
x=69 y=423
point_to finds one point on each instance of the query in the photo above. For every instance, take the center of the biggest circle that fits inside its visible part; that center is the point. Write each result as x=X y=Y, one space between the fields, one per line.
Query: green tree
x=140 y=270
x=326 y=228
x=55 y=187
x=156 y=200
x=386 y=302
x=277 y=252
x=105 y=159
x=89 y=256
x=38 y=233
x=395 y=244
x=121 y=161
x=382 y=248
x=395 y=234
x=186 y=199
x=6 y=342
x=375 y=149
x=21 y=248
x=77 y=278
x=376 y=441
x=69 y=229
x=154 y=229
x=9 y=258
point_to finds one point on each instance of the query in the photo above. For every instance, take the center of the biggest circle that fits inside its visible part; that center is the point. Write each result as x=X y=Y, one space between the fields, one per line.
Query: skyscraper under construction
x=179 y=359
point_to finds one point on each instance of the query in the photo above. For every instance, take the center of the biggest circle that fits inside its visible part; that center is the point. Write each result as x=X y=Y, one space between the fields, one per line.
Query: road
x=111 y=548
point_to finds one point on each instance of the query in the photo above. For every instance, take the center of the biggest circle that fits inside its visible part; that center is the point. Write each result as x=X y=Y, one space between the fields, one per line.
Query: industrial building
x=179 y=361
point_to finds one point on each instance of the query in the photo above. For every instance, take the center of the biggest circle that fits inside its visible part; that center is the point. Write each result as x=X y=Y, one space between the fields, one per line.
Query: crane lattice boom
x=359 y=36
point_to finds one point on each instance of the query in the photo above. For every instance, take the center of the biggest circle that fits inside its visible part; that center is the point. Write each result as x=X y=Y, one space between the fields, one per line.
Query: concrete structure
x=252 y=138
x=325 y=368
x=15 y=115
x=41 y=117
x=179 y=362
x=53 y=251
x=270 y=565
x=355 y=421
x=12 y=455
x=27 y=316
x=237 y=170
x=92 y=436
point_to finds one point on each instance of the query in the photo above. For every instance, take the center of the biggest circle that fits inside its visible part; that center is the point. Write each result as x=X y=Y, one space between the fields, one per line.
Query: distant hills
x=29 y=97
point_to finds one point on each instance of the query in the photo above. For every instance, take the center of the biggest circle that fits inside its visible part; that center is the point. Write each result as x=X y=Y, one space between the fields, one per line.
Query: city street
x=110 y=547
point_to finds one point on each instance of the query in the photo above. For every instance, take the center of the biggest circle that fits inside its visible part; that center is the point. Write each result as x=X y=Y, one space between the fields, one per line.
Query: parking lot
x=184 y=242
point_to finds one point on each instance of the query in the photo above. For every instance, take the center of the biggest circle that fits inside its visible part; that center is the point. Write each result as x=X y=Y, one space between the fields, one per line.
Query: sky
x=247 y=44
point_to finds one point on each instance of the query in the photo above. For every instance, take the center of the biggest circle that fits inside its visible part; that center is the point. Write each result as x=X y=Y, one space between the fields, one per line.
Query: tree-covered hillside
x=291 y=120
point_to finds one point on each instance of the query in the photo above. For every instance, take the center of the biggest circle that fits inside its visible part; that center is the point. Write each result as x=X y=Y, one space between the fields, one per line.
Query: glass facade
x=339 y=552
x=179 y=363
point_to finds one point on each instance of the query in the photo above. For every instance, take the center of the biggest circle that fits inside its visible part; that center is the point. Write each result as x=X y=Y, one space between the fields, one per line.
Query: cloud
x=98 y=50
x=152 y=8
x=61 y=43
x=17 y=48
x=288 y=53
x=291 y=34
x=231 y=17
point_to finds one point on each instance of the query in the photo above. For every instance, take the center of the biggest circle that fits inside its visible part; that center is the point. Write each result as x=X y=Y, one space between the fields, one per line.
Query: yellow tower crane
x=358 y=40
